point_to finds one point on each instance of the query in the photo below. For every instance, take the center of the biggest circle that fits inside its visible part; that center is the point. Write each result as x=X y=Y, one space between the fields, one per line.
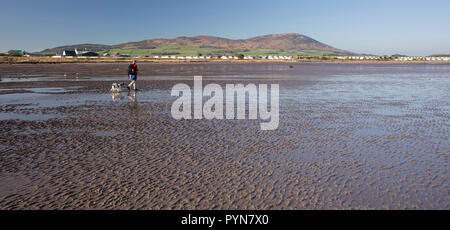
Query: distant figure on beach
x=132 y=73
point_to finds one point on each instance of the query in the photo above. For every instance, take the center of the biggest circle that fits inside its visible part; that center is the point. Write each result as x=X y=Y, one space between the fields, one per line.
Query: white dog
x=117 y=87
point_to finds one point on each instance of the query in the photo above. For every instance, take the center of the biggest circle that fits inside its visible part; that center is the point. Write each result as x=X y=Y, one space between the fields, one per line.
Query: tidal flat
x=350 y=136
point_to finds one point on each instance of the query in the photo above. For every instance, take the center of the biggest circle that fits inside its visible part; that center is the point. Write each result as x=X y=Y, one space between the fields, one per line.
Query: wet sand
x=350 y=137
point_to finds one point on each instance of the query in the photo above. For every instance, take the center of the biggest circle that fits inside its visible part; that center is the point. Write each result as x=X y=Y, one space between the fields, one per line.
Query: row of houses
x=260 y=57
x=359 y=57
x=276 y=57
x=396 y=58
x=422 y=58
x=182 y=57
x=85 y=53
x=224 y=57
x=76 y=53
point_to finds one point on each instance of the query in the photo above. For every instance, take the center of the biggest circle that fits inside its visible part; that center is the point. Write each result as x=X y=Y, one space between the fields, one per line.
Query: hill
x=273 y=44
x=90 y=47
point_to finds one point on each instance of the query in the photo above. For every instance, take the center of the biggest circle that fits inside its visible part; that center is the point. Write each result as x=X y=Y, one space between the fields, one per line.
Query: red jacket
x=135 y=67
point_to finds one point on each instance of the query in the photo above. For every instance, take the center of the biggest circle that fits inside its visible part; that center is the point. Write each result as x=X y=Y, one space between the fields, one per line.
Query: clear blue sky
x=409 y=27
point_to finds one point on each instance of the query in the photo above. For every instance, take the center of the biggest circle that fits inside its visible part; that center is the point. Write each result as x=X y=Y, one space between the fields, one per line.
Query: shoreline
x=34 y=60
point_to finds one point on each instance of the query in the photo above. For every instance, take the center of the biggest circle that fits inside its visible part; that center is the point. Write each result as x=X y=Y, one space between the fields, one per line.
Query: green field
x=197 y=51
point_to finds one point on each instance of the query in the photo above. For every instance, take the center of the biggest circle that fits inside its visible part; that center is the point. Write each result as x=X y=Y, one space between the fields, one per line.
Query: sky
x=381 y=27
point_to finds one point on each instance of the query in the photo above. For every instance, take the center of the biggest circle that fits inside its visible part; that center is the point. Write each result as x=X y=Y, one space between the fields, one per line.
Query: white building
x=69 y=53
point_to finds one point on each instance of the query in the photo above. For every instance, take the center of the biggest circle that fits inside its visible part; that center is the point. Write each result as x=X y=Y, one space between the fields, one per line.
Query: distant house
x=90 y=54
x=69 y=53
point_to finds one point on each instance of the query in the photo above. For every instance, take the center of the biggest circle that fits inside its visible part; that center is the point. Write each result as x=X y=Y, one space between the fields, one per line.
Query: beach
x=351 y=136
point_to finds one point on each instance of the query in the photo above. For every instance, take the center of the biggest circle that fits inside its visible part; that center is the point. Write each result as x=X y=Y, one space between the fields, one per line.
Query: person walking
x=132 y=74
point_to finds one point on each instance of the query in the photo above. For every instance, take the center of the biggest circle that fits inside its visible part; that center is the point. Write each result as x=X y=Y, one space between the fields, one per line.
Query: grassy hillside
x=195 y=51
x=290 y=44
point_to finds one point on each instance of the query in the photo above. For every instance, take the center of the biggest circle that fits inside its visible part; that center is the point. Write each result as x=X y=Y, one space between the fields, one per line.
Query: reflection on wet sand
x=132 y=96
x=372 y=137
x=118 y=96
